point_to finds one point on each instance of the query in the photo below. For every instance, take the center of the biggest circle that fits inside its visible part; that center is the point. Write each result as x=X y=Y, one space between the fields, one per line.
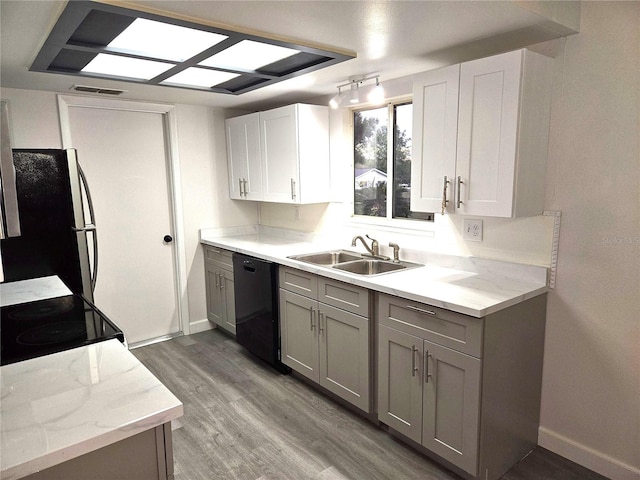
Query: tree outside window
x=381 y=160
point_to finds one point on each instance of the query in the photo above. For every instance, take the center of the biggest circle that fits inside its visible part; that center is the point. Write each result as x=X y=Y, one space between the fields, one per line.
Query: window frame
x=388 y=222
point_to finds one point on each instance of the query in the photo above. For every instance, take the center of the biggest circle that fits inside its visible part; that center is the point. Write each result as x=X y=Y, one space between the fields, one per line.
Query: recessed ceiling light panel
x=248 y=55
x=117 y=66
x=102 y=39
x=199 y=77
x=163 y=40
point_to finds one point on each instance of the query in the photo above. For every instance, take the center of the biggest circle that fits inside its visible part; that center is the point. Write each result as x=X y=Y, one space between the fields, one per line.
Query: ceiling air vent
x=103 y=91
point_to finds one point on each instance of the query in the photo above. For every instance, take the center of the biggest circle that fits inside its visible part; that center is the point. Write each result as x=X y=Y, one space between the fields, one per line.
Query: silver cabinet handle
x=444 y=195
x=244 y=187
x=426 y=366
x=221 y=280
x=240 y=186
x=414 y=367
x=459 y=201
x=421 y=310
x=320 y=318
x=217 y=280
x=312 y=314
x=293 y=189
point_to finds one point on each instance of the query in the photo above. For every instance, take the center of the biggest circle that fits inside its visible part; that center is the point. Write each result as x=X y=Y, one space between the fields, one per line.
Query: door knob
x=168 y=239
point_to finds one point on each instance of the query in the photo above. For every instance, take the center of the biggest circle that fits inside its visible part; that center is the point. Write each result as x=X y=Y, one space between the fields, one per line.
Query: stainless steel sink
x=328 y=258
x=374 y=267
x=353 y=262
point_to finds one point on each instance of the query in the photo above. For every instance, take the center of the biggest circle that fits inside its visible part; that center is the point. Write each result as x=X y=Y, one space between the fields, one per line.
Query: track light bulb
x=337 y=100
x=354 y=95
x=376 y=95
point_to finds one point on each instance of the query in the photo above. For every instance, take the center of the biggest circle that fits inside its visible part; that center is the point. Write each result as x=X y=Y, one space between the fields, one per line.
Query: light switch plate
x=472 y=230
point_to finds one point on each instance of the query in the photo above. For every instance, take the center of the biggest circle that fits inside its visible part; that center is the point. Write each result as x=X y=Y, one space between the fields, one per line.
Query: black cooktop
x=33 y=329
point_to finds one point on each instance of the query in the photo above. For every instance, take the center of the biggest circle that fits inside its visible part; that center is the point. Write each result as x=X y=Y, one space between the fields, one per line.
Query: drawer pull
x=414 y=366
x=421 y=310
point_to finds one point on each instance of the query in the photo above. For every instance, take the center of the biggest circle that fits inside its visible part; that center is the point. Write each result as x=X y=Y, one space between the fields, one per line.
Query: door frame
x=170 y=123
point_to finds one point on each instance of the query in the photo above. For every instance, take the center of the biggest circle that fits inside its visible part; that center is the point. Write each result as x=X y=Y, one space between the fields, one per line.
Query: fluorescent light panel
x=103 y=39
x=248 y=55
x=165 y=41
x=114 y=65
x=199 y=77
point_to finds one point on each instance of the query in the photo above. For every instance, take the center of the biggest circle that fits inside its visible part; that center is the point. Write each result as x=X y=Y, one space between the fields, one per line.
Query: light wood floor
x=245 y=421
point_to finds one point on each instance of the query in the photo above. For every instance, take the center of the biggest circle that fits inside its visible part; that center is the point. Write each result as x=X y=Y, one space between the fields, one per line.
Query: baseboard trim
x=587 y=457
x=200 y=326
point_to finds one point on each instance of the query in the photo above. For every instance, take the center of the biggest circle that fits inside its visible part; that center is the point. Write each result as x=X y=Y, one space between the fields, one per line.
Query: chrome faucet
x=374 y=250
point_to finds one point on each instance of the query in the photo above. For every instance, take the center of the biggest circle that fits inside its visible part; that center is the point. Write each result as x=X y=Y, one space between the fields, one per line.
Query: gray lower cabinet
x=466 y=389
x=221 y=308
x=145 y=456
x=327 y=344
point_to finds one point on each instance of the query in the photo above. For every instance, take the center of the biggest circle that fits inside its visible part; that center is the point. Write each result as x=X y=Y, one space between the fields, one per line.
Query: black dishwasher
x=256 y=299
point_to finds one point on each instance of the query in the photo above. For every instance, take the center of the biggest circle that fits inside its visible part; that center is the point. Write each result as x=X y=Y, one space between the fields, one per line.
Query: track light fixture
x=375 y=96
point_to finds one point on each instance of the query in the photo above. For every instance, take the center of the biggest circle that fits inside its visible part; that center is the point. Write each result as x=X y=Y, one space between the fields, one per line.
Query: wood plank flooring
x=245 y=421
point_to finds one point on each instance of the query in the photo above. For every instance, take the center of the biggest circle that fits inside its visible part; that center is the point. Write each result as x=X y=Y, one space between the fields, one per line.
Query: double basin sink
x=354 y=262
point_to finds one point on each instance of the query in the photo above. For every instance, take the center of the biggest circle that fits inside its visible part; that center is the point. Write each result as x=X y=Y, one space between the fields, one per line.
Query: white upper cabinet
x=503 y=106
x=435 y=120
x=294 y=142
x=243 y=155
x=281 y=155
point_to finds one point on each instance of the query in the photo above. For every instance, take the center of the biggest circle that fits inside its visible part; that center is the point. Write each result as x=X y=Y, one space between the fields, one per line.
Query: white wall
x=591 y=384
x=203 y=171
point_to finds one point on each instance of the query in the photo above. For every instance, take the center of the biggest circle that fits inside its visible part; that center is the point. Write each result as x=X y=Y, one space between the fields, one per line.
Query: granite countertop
x=467 y=285
x=61 y=406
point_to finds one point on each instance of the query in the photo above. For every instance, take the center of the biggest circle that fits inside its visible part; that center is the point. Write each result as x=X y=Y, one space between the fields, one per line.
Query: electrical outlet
x=472 y=230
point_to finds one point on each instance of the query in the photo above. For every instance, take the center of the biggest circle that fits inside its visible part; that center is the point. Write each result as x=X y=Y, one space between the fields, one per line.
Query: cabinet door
x=451 y=405
x=344 y=354
x=299 y=334
x=400 y=381
x=435 y=129
x=279 y=151
x=215 y=306
x=243 y=152
x=228 y=301
x=487 y=134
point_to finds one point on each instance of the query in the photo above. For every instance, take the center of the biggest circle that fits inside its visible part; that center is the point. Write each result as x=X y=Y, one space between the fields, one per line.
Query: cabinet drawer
x=218 y=256
x=348 y=297
x=456 y=331
x=300 y=282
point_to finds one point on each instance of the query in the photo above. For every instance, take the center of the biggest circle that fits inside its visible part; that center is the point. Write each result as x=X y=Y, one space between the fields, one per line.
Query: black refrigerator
x=43 y=234
x=51 y=236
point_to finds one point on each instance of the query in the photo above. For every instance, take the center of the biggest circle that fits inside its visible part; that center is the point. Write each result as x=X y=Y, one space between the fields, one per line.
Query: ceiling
x=391 y=38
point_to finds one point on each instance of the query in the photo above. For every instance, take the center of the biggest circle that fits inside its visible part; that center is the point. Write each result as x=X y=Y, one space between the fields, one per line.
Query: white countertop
x=23 y=291
x=466 y=285
x=60 y=406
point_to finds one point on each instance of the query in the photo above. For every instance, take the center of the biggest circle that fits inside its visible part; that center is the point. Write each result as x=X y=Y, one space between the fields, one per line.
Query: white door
x=124 y=156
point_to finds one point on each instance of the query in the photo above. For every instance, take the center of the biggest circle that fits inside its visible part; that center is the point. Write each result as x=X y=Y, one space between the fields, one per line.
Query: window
x=382 y=161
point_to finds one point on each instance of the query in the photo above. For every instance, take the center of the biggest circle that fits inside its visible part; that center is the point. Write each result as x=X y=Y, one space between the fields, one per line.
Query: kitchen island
x=89 y=412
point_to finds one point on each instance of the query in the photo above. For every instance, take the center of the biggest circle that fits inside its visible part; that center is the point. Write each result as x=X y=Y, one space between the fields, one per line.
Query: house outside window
x=382 y=162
